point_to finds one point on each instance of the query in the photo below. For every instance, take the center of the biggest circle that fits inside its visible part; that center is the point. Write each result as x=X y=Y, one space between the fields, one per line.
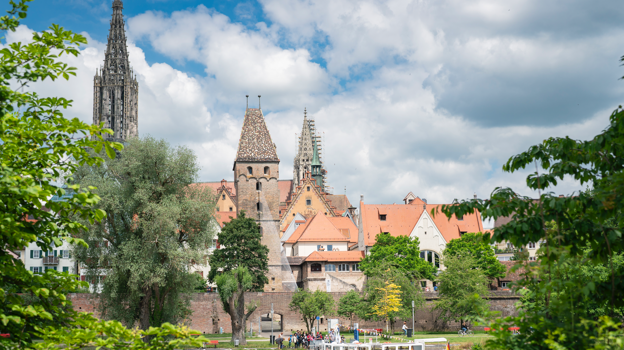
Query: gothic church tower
x=256 y=171
x=308 y=158
x=115 y=88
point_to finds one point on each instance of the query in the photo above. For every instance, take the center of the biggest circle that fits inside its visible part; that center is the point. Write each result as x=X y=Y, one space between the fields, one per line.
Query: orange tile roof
x=285 y=188
x=224 y=217
x=354 y=255
x=216 y=185
x=327 y=229
x=401 y=219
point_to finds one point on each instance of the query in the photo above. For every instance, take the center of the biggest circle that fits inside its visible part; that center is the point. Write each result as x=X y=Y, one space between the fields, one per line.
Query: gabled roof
x=340 y=201
x=353 y=255
x=285 y=188
x=400 y=220
x=321 y=228
x=219 y=186
x=224 y=217
x=255 y=144
x=299 y=193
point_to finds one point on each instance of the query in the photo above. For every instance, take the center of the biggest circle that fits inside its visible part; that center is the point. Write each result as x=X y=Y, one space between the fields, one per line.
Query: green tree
x=232 y=286
x=36 y=147
x=241 y=250
x=156 y=228
x=310 y=305
x=480 y=249
x=462 y=288
x=410 y=291
x=350 y=304
x=581 y=220
x=402 y=253
x=241 y=245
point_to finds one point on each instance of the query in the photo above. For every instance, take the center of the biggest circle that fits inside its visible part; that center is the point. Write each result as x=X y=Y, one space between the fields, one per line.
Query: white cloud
x=424 y=96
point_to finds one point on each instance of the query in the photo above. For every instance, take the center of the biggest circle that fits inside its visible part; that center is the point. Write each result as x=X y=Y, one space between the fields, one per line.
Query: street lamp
x=412 y=317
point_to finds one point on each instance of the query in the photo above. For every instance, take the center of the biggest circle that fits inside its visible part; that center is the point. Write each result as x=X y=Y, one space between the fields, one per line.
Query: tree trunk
x=144 y=313
x=238 y=316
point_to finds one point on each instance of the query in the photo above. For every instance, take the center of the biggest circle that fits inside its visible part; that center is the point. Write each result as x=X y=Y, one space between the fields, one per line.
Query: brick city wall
x=208 y=314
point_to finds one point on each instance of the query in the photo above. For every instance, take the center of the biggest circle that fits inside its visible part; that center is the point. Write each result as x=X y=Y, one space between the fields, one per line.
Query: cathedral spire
x=116 y=89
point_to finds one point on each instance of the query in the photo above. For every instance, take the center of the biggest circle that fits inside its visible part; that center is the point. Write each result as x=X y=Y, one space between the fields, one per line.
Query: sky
x=427 y=96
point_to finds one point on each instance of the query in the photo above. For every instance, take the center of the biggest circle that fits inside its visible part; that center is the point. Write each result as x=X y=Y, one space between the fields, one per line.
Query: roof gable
x=300 y=194
x=321 y=229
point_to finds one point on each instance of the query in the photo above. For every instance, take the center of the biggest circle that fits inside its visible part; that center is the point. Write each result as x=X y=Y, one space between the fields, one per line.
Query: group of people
x=300 y=339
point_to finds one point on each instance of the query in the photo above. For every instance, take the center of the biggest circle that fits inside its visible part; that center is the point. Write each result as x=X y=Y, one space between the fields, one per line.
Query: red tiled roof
x=401 y=219
x=354 y=255
x=285 y=188
x=224 y=217
x=216 y=185
x=322 y=228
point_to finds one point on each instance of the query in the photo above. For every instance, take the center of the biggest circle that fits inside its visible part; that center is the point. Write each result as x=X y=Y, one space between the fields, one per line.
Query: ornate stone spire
x=116 y=90
x=303 y=158
x=317 y=167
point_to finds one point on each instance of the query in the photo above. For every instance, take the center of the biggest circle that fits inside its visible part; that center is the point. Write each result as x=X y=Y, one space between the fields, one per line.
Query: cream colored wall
x=225 y=204
x=300 y=206
x=307 y=248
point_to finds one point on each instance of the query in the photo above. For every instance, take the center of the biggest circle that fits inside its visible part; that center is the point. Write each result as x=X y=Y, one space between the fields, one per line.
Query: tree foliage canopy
x=474 y=245
x=241 y=245
x=402 y=252
x=157 y=227
x=36 y=151
x=312 y=304
x=587 y=227
x=462 y=288
x=349 y=304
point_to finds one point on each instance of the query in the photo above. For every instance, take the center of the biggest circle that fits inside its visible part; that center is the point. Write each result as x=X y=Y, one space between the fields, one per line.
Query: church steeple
x=303 y=158
x=116 y=90
x=317 y=171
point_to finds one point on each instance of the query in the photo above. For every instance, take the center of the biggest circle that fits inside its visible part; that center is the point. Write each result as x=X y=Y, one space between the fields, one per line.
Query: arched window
x=431 y=257
x=249 y=170
x=259 y=206
x=258 y=186
x=266 y=170
x=316 y=268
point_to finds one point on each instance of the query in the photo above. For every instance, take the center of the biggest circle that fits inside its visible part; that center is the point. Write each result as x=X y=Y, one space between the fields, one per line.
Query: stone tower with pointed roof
x=256 y=171
x=115 y=88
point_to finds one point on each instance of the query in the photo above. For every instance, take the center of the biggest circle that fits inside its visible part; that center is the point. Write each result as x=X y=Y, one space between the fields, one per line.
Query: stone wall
x=208 y=314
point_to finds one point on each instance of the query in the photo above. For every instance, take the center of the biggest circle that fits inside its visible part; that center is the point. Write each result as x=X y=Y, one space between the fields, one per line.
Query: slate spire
x=116 y=90
x=255 y=143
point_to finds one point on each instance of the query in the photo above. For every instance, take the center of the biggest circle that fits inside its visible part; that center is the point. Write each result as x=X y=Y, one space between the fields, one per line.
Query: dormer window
x=249 y=170
x=382 y=217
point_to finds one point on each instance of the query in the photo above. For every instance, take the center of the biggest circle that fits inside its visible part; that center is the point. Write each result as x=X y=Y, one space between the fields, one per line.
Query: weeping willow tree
x=157 y=227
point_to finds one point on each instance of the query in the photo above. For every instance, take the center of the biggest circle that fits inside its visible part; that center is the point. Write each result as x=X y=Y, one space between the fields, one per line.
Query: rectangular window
x=343 y=267
x=231 y=209
x=532 y=258
x=65 y=268
x=308 y=188
x=36 y=269
x=382 y=217
x=330 y=267
x=318 y=247
x=214 y=244
x=65 y=254
x=531 y=245
x=355 y=267
x=422 y=255
x=223 y=197
x=35 y=254
x=329 y=247
x=308 y=202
